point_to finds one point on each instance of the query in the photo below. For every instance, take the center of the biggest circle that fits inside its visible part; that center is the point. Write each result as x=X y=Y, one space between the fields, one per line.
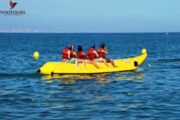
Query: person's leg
x=92 y=62
x=76 y=62
x=104 y=60
x=67 y=61
x=84 y=64
x=82 y=61
x=112 y=62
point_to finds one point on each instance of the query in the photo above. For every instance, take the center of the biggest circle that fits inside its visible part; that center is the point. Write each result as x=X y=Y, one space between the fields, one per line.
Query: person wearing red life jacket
x=69 y=55
x=102 y=51
x=66 y=53
x=93 y=56
x=82 y=56
x=73 y=53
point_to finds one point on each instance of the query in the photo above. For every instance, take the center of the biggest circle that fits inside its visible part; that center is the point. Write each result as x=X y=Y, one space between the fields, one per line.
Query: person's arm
x=96 y=53
x=76 y=54
x=69 y=54
x=106 y=51
x=83 y=54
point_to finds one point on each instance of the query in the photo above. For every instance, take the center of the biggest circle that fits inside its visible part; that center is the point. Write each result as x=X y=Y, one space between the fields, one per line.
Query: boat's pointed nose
x=144 y=51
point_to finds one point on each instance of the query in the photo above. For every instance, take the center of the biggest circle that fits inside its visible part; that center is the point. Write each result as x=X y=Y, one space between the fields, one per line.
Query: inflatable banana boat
x=126 y=64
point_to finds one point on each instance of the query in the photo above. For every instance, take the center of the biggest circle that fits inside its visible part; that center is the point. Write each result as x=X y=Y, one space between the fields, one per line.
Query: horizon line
x=83 y=32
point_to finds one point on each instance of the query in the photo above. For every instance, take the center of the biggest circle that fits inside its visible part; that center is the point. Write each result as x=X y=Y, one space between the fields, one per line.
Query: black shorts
x=108 y=59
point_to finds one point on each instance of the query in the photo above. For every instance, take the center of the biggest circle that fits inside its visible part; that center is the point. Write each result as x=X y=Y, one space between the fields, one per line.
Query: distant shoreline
x=88 y=32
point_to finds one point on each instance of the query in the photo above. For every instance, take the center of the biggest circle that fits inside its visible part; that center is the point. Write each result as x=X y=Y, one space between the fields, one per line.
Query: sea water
x=149 y=93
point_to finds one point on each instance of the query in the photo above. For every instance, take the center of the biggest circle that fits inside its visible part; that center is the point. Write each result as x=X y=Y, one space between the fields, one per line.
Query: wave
x=24 y=75
x=169 y=60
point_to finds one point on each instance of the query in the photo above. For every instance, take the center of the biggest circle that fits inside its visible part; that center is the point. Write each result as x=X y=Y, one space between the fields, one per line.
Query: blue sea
x=150 y=93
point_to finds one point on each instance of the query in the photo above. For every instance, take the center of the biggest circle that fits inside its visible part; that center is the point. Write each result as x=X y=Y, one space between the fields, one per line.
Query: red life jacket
x=73 y=54
x=65 y=54
x=82 y=55
x=91 y=54
x=101 y=52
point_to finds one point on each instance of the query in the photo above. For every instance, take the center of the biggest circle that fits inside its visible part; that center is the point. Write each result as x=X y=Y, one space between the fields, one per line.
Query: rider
x=69 y=55
x=93 y=56
x=80 y=53
x=102 y=51
x=73 y=53
x=82 y=56
x=66 y=53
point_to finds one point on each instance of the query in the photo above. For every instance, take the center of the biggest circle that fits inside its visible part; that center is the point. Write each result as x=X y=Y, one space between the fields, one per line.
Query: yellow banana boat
x=126 y=64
